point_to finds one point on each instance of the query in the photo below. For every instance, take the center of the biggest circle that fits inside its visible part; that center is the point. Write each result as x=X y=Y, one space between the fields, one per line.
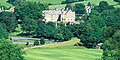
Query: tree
x=67 y=34
x=111 y=47
x=11 y=1
x=32 y=10
x=9 y=19
x=92 y=32
x=42 y=41
x=45 y=31
x=117 y=1
x=27 y=43
x=3 y=33
x=52 y=24
x=103 y=5
x=59 y=37
x=16 y=2
x=68 y=7
x=69 y=1
x=36 y=42
x=79 y=8
x=10 y=51
x=28 y=25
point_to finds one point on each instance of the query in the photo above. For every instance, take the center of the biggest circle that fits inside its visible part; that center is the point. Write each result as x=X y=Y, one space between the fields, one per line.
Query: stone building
x=59 y=15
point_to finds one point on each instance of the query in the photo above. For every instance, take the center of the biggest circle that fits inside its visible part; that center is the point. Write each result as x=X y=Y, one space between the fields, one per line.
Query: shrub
x=42 y=41
x=63 y=2
x=27 y=43
x=36 y=42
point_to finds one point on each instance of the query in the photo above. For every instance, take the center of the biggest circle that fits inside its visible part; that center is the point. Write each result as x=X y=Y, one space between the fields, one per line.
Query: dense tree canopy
x=111 y=47
x=45 y=31
x=9 y=19
x=28 y=25
x=79 y=8
x=68 y=7
x=3 y=33
x=16 y=2
x=67 y=34
x=9 y=51
x=69 y=1
x=117 y=1
x=32 y=10
x=103 y=5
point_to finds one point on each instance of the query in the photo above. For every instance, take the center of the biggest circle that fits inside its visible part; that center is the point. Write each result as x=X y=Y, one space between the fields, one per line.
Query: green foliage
x=79 y=8
x=103 y=5
x=67 y=34
x=117 y=1
x=16 y=2
x=36 y=42
x=45 y=31
x=111 y=32
x=92 y=32
x=28 y=25
x=59 y=37
x=69 y=1
x=69 y=7
x=42 y=41
x=111 y=47
x=32 y=10
x=3 y=33
x=9 y=19
x=9 y=51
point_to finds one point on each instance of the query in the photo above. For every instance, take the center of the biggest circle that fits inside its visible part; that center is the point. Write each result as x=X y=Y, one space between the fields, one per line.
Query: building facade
x=59 y=15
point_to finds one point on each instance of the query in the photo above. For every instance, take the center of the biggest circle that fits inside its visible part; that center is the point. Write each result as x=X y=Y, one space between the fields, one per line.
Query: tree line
x=102 y=27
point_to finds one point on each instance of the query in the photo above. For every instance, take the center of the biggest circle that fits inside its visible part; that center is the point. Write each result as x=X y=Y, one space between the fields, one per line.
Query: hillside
x=63 y=51
x=62 y=44
x=4 y=3
x=56 y=3
x=94 y=2
x=49 y=1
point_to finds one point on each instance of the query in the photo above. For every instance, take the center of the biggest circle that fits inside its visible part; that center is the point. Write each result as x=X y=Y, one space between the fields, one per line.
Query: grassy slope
x=58 y=5
x=63 y=54
x=67 y=52
x=62 y=44
x=49 y=1
x=4 y=3
x=96 y=2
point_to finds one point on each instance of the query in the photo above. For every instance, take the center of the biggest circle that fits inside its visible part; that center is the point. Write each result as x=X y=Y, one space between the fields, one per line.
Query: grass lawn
x=63 y=54
x=56 y=3
x=63 y=51
x=49 y=1
x=4 y=3
x=96 y=2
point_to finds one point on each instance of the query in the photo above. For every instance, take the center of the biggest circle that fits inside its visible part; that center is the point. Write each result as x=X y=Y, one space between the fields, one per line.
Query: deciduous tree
x=10 y=51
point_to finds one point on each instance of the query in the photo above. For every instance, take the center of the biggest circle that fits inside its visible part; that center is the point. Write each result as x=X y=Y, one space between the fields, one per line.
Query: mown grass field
x=49 y=1
x=63 y=51
x=4 y=3
x=63 y=54
x=95 y=2
x=56 y=3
